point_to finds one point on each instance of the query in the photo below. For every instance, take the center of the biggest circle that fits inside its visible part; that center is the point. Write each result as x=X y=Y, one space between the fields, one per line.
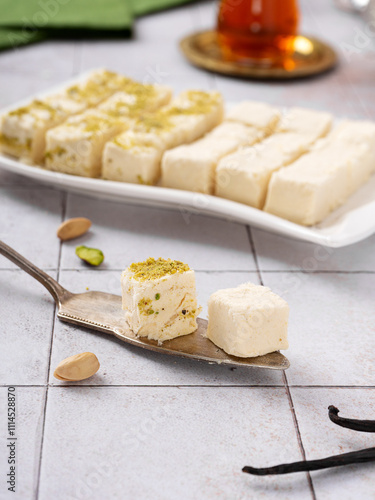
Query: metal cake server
x=102 y=311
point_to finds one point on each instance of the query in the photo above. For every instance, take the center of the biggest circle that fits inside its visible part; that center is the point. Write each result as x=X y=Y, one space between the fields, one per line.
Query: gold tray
x=311 y=57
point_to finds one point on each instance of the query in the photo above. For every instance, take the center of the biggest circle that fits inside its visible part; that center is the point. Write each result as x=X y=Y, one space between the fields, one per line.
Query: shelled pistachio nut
x=72 y=228
x=77 y=367
x=92 y=256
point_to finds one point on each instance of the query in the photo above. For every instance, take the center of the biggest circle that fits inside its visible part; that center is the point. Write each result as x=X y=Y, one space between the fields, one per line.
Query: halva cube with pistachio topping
x=135 y=155
x=136 y=99
x=248 y=321
x=76 y=146
x=159 y=299
x=23 y=130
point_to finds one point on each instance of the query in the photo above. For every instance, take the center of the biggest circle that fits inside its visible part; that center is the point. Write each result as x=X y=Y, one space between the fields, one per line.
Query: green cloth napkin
x=28 y=21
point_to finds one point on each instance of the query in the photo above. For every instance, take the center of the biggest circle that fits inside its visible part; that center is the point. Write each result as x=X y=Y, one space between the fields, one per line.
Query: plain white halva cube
x=248 y=320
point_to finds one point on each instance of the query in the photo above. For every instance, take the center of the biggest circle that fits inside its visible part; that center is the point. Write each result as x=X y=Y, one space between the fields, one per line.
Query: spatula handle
x=56 y=290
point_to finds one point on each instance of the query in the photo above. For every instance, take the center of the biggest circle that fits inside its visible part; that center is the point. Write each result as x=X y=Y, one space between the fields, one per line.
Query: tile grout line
x=286 y=386
x=169 y=386
x=298 y=433
x=63 y=212
x=252 y=386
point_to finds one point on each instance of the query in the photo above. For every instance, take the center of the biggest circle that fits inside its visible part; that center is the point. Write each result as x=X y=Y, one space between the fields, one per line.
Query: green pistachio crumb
x=92 y=256
x=58 y=151
x=152 y=269
x=98 y=87
x=157 y=296
x=14 y=142
x=144 y=306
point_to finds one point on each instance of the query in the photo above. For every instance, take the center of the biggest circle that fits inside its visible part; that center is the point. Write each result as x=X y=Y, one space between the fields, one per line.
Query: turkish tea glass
x=258 y=30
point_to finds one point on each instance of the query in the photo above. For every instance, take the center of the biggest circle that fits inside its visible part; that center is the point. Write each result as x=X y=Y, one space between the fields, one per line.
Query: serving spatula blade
x=102 y=311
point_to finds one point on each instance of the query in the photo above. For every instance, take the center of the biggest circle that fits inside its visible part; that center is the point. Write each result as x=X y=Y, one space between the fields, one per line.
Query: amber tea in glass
x=259 y=30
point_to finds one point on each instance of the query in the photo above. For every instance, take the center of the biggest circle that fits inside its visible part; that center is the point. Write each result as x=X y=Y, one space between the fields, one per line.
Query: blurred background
x=44 y=43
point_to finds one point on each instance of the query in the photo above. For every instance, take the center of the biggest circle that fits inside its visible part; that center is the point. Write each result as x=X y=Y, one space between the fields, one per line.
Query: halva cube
x=135 y=156
x=248 y=320
x=192 y=167
x=23 y=130
x=159 y=299
x=243 y=176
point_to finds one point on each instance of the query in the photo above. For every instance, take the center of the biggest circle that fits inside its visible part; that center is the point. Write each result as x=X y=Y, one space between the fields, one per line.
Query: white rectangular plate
x=352 y=222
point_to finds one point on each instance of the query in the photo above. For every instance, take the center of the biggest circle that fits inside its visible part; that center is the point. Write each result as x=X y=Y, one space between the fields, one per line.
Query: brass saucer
x=310 y=57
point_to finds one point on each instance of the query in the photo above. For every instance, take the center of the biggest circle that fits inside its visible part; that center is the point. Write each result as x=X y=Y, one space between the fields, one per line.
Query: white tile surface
x=241 y=90
x=167 y=443
x=122 y=364
x=210 y=432
x=164 y=65
x=331 y=328
x=26 y=329
x=205 y=14
x=25 y=60
x=129 y=233
x=276 y=253
x=29 y=219
x=322 y=438
x=29 y=426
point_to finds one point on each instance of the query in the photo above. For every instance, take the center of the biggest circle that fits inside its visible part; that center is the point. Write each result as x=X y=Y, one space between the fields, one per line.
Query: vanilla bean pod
x=353 y=457
x=350 y=423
